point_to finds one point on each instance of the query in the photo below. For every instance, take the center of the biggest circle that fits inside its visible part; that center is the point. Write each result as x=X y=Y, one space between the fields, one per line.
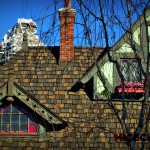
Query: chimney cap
x=71 y=10
x=67 y=7
x=68 y=3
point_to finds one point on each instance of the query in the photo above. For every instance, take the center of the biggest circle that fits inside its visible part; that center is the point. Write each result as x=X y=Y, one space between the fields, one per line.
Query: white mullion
x=19 y=120
x=10 y=117
x=1 y=120
x=28 y=124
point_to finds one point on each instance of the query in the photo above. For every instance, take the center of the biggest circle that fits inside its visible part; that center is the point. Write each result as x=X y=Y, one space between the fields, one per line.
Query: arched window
x=16 y=118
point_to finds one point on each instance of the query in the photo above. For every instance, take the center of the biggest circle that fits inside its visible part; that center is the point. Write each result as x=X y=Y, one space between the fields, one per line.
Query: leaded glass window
x=131 y=70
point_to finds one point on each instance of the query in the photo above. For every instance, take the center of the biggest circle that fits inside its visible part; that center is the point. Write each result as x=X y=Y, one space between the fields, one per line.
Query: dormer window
x=132 y=76
x=131 y=70
x=22 y=114
x=16 y=118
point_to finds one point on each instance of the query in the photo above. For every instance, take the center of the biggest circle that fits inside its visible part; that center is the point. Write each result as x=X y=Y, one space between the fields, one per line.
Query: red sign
x=125 y=137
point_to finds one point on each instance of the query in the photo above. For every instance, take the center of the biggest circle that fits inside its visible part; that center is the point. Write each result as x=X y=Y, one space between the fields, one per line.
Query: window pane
x=6 y=118
x=6 y=109
x=24 y=127
x=5 y=127
x=125 y=70
x=1 y=108
x=15 y=118
x=131 y=70
x=24 y=118
x=135 y=71
x=15 y=109
x=15 y=127
x=32 y=118
x=32 y=128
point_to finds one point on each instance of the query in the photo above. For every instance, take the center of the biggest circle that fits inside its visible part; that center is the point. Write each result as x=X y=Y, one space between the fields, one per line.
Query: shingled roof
x=37 y=71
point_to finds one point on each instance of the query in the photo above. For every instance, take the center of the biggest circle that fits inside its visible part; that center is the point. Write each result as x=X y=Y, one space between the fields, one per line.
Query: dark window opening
x=88 y=89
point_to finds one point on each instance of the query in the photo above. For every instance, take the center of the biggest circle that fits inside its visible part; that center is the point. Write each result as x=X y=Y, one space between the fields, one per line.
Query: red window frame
x=131 y=86
x=16 y=118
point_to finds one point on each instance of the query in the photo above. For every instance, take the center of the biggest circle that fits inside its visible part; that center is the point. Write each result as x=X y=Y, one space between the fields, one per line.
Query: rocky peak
x=12 y=40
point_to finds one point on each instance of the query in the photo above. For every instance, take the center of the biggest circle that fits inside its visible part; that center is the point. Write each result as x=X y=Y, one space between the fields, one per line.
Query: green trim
x=102 y=77
x=30 y=101
x=3 y=91
x=33 y=103
x=124 y=39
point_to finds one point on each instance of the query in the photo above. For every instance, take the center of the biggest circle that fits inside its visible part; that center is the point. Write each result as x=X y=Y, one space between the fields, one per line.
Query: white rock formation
x=12 y=41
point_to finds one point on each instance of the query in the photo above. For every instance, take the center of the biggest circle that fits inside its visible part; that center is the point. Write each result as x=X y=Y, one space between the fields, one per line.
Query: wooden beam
x=10 y=83
x=32 y=103
x=3 y=91
x=104 y=80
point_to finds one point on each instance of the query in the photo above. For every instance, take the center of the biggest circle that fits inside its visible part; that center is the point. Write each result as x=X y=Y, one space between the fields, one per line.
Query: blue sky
x=11 y=10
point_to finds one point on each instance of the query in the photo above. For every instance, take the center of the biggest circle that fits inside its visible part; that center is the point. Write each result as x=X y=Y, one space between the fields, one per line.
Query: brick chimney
x=67 y=16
